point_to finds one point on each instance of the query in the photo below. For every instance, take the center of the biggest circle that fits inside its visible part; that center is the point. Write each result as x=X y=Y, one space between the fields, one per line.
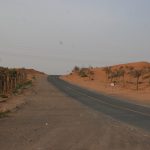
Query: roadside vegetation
x=122 y=75
x=84 y=72
x=138 y=76
x=11 y=80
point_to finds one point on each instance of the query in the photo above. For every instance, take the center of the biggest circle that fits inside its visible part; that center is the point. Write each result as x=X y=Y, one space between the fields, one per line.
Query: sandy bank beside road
x=15 y=101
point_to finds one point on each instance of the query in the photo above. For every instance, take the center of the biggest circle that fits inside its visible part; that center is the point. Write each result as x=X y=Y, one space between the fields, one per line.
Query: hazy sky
x=55 y=35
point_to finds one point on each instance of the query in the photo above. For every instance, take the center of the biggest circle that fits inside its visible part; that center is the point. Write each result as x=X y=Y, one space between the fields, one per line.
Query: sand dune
x=125 y=87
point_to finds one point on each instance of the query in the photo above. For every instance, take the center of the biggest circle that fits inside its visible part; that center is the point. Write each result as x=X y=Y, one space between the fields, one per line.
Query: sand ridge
x=128 y=91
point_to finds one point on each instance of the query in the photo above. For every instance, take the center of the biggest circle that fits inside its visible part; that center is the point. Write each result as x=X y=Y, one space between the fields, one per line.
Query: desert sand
x=127 y=91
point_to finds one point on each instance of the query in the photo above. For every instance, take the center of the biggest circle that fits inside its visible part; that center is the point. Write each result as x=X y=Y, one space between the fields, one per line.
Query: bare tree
x=76 y=69
x=112 y=75
x=121 y=73
x=136 y=73
x=91 y=74
x=107 y=71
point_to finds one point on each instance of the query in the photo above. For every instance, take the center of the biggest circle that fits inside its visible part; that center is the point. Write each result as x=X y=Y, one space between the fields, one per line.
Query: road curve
x=136 y=115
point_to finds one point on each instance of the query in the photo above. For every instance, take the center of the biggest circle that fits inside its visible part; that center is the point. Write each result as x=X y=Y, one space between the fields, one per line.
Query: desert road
x=66 y=117
x=136 y=115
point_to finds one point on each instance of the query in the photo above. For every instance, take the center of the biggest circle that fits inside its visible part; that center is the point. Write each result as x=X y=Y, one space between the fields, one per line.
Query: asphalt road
x=132 y=114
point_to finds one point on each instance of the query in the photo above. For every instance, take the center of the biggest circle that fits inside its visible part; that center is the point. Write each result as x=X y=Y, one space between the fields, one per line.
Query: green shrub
x=82 y=73
x=22 y=86
x=28 y=83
